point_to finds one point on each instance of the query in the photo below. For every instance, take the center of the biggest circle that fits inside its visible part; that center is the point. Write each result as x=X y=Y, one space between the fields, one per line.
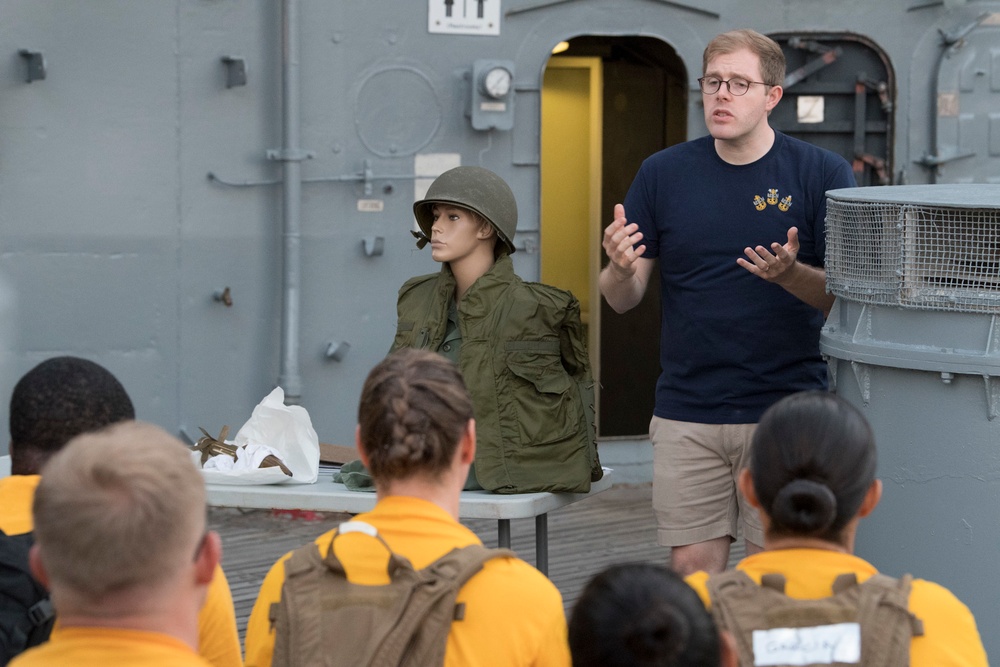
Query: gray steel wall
x=115 y=240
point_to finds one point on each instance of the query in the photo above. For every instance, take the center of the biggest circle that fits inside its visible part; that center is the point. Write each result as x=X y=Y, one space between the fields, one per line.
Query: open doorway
x=607 y=104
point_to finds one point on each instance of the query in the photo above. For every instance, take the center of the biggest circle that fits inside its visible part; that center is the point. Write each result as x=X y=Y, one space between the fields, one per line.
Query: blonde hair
x=119 y=508
x=414 y=408
x=772 y=59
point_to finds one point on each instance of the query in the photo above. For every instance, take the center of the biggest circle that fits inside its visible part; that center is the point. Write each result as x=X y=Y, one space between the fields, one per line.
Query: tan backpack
x=324 y=620
x=868 y=624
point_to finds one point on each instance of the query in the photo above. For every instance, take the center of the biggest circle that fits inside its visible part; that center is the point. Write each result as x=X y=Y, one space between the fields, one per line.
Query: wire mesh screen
x=915 y=256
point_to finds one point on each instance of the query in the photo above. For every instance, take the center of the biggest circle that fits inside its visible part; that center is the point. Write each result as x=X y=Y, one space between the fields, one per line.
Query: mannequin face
x=457 y=233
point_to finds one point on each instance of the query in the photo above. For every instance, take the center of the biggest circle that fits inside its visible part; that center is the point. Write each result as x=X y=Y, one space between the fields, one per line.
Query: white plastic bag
x=288 y=430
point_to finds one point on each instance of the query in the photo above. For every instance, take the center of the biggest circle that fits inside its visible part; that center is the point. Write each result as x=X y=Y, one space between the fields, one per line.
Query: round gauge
x=496 y=82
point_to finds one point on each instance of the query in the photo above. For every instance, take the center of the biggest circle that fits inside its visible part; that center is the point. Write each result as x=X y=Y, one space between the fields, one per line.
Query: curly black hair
x=57 y=400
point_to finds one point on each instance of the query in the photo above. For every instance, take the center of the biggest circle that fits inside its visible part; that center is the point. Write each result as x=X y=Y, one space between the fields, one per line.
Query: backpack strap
x=844 y=582
x=302 y=580
x=461 y=564
x=26 y=612
x=879 y=606
x=414 y=634
x=731 y=592
x=773 y=580
x=41 y=612
x=434 y=611
x=887 y=624
x=396 y=562
x=305 y=571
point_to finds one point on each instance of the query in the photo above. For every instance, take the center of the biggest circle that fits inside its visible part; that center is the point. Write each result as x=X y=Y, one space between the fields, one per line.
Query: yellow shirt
x=218 y=638
x=513 y=615
x=109 y=647
x=950 y=634
x=17 y=492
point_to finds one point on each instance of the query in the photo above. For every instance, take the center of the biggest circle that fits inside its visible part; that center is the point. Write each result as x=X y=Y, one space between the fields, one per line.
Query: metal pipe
x=289 y=377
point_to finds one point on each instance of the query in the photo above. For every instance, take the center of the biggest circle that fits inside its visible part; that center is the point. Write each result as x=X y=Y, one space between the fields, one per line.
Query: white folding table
x=325 y=495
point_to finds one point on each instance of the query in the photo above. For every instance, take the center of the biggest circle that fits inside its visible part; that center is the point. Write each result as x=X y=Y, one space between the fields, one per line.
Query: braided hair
x=414 y=408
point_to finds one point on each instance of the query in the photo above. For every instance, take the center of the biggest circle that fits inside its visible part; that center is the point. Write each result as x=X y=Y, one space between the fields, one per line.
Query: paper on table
x=288 y=431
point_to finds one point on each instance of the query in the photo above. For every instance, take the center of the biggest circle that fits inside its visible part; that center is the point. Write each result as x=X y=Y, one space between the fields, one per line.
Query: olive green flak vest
x=324 y=619
x=524 y=359
x=868 y=624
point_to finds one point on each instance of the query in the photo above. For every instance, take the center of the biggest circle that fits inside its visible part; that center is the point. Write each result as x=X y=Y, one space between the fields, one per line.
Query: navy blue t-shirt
x=732 y=343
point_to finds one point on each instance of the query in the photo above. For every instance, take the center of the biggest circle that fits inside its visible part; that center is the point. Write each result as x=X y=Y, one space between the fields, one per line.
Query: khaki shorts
x=695 y=467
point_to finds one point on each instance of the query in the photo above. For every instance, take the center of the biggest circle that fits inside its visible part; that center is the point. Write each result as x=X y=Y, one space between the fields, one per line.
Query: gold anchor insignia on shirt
x=786 y=203
x=759 y=203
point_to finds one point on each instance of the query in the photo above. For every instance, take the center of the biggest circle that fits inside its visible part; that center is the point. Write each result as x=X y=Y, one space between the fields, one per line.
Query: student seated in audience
x=121 y=542
x=417 y=436
x=643 y=615
x=812 y=476
x=55 y=401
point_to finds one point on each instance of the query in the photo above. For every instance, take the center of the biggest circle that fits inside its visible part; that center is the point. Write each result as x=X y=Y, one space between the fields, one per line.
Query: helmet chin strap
x=422 y=239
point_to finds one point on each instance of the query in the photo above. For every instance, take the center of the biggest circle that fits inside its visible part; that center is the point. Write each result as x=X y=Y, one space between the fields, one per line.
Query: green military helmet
x=477 y=189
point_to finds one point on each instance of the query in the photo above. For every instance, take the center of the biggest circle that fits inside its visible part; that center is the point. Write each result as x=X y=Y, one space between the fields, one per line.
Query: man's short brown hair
x=118 y=509
x=772 y=59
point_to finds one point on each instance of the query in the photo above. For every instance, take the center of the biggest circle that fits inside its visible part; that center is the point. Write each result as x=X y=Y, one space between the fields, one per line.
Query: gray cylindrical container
x=914 y=342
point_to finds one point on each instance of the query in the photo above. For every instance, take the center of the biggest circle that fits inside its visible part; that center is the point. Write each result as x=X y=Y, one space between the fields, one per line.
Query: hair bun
x=804 y=506
x=660 y=632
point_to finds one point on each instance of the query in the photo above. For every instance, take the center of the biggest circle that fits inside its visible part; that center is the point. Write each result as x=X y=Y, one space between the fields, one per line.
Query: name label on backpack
x=819 y=645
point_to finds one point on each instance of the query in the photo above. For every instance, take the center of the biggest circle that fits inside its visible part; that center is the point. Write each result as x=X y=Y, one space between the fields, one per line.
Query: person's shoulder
x=9 y=484
x=926 y=595
x=323 y=541
x=419 y=282
x=549 y=294
x=515 y=570
x=518 y=580
x=19 y=482
x=680 y=152
x=822 y=167
x=515 y=599
x=503 y=274
x=219 y=592
x=548 y=306
x=949 y=627
x=514 y=566
x=804 y=148
x=699 y=582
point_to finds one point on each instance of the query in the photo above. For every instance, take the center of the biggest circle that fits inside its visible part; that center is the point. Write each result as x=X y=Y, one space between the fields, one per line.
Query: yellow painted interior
x=571 y=180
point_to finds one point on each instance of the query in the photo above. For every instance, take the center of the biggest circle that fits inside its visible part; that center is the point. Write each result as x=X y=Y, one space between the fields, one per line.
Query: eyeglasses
x=737 y=86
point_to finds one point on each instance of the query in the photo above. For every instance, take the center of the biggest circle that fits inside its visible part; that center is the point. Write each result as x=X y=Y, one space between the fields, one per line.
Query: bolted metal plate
x=397 y=111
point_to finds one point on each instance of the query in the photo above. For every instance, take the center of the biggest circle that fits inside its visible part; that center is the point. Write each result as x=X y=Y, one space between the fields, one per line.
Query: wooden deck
x=616 y=526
